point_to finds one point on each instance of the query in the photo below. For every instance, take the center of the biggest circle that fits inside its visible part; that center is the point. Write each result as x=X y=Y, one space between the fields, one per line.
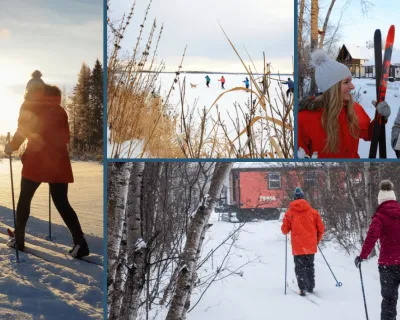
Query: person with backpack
x=332 y=124
x=385 y=227
x=44 y=123
x=222 y=82
x=306 y=228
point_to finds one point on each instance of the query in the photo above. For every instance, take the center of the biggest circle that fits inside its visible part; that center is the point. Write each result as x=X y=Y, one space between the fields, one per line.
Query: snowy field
x=259 y=293
x=201 y=96
x=64 y=288
x=392 y=98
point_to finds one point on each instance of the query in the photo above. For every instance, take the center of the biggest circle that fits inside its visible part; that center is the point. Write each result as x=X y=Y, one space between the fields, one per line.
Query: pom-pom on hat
x=298 y=194
x=327 y=71
x=386 y=191
x=36 y=83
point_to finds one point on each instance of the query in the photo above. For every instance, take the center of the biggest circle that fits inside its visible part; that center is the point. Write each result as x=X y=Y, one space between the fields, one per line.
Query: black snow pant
x=288 y=91
x=390 y=281
x=304 y=269
x=223 y=85
x=208 y=84
x=59 y=194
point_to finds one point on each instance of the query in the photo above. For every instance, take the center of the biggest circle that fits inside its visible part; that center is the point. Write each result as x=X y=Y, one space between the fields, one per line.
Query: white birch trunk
x=117 y=198
x=136 y=253
x=177 y=310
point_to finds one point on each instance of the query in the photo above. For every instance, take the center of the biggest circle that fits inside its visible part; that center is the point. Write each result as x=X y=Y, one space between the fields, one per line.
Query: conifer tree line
x=85 y=110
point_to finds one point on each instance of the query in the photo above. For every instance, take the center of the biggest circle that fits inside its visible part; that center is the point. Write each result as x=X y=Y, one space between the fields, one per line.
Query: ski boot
x=11 y=242
x=302 y=293
x=80 y=250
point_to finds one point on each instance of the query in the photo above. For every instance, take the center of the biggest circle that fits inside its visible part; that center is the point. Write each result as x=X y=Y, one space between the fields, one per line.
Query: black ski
x=382 y=76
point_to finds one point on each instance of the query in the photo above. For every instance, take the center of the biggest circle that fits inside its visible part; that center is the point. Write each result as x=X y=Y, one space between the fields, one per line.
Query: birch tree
x=180 y=302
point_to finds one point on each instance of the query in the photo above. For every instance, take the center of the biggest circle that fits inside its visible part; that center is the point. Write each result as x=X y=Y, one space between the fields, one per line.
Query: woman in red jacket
x=385 y=226
x=44 y=123
x=331 y=125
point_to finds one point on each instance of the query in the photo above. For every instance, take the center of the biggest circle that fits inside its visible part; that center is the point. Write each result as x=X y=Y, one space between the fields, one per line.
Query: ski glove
x=358 y=261
x=8 y=150
x=382 y=107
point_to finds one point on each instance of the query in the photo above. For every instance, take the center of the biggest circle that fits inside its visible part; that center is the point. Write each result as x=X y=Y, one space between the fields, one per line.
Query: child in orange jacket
x=307 y=229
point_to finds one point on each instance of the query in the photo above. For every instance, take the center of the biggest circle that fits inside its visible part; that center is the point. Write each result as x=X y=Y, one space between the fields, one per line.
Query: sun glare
x=9 y=110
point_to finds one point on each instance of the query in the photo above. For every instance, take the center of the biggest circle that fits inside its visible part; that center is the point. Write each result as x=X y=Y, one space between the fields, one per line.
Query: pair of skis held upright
x=382 y=76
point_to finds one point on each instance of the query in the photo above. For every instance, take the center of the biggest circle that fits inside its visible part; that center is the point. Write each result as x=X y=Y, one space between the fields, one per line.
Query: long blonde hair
x=331 y=102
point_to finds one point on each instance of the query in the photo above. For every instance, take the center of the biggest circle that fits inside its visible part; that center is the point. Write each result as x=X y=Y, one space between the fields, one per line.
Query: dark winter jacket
x=385 y=226
x=312 y=136
x=208 y=79
x=290 y=84
x=45 y=125
x=396 y=132
x=305 y=225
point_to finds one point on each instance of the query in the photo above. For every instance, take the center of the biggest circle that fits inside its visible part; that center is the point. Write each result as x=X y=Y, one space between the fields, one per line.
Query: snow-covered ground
x=259 y=293
x=201 y=96
x=65 y=288
x=368 y=93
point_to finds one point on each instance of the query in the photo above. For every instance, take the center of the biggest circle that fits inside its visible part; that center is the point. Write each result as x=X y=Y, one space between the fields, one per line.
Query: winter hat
x=36 y=82
x=386 y=191
x=327 y=71
x=298 y=194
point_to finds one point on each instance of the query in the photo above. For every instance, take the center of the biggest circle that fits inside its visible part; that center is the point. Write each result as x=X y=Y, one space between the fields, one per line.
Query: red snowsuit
x=45 y=125
x=312 y=136
x=385 y=226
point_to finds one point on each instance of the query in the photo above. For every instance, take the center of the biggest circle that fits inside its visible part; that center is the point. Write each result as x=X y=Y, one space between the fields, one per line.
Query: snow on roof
x=359 y=52
x=265 y=165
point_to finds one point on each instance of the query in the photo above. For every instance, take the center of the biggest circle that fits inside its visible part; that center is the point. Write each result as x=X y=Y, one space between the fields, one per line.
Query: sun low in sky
x=55 y=37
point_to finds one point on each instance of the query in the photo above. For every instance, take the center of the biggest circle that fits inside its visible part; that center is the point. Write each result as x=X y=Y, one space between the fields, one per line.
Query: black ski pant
x=390 y=280
x=288 y=91
x=59 y=194
x=304 y=269
x=222 y=85
x=208 y=84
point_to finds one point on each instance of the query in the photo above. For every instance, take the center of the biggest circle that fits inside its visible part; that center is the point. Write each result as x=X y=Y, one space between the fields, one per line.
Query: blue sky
x=52 y=36
x=259 y=25
x=358 y=29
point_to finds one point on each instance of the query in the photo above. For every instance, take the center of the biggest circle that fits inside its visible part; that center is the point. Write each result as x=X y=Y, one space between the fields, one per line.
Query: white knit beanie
x=327 y=71
x=386 y=191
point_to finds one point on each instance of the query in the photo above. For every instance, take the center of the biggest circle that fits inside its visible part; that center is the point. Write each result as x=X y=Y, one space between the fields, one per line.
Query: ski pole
x=49 y=237
x=13 y=201
x=363 y=292
x=338 y=284
x=285 y=263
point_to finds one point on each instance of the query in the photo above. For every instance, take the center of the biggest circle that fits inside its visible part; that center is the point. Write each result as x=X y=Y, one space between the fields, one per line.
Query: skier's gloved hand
x=8 y=150
x=382 y=107
x=358 y=261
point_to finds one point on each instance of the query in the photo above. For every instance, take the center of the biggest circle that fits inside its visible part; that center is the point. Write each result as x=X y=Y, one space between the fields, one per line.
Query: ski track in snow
x=259 y=293
x=69 y=288
x=392 y=98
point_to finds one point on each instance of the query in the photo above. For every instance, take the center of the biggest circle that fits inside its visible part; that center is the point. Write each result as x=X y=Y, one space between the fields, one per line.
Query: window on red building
x=274 y=180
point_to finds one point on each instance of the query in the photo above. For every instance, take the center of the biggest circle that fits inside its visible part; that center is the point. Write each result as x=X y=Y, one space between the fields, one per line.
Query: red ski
x=379 y=135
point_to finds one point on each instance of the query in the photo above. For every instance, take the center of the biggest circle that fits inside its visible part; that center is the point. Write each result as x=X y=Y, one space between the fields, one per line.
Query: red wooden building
x=263 y=191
